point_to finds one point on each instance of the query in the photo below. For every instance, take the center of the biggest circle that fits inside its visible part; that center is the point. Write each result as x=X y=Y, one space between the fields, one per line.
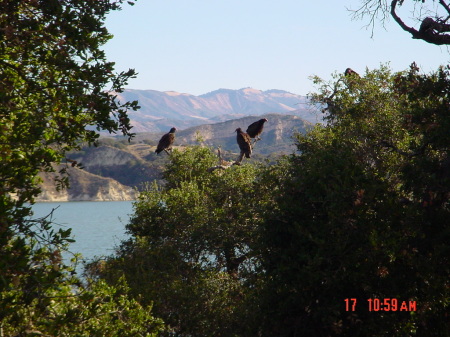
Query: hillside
x=111 y=170
x=84 y=186
x=131 y=165
x=276 y=137
x=161 y=110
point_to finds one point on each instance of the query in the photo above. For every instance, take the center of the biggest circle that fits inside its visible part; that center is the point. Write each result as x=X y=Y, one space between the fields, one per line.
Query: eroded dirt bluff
x=84 y=186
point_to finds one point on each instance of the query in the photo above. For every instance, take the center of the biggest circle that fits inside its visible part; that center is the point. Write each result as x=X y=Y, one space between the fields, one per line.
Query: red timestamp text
x=386 y=304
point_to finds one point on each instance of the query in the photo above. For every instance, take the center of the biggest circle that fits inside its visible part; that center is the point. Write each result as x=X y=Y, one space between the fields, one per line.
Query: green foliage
x=54 y=77
x=189 y=166
x=96 y=310
x=192 y=251
x=364 y=212
x=274 y=250
x=56 y=87
x=42 y=295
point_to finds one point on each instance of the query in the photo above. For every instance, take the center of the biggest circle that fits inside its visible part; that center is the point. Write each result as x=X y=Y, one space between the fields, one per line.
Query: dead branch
x=430 y=30
x=391 y=146
x=223 y=164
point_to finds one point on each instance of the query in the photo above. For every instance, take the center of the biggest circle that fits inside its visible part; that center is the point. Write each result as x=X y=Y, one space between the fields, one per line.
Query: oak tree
x=364 y=212
x=192 y=251
x=57 y=90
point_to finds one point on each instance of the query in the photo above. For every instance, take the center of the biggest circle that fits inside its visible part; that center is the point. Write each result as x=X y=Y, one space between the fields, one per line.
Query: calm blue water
x=97 y=227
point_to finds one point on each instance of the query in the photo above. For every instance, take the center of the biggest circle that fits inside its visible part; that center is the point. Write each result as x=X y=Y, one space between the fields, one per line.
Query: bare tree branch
x=389 y=145
x=447 y=8
x=433 y=22
x=376 y=11
x=223 y=164
x=430 y=30
x=399 y=21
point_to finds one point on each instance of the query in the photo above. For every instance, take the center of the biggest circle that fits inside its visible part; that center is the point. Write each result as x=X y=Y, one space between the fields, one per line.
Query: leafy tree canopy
x=360 y=212
x=193 y=247
x=54 y=77
x=364 y=212
x=56 y=88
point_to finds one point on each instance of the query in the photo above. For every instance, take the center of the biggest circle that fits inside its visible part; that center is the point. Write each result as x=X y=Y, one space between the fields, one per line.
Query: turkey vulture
x=166 y=141
x=255 y=129
x=244 y=142
x=350 y=71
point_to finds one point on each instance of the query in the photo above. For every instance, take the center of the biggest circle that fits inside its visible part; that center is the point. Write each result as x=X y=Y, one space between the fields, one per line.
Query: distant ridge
x=276 y=137
x=160 y=110
x=114 y=168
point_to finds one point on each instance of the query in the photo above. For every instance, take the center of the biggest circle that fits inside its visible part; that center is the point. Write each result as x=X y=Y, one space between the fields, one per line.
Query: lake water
x=97 y=227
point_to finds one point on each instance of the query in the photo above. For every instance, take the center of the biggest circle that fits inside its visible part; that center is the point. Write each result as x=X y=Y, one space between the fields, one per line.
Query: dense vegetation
x=360 y=212
x=298 y=247
x=55 y=82
x=193 y=251
x=364 y=212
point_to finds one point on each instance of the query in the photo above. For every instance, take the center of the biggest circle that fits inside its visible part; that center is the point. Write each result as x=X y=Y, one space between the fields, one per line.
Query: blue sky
x=197 y=46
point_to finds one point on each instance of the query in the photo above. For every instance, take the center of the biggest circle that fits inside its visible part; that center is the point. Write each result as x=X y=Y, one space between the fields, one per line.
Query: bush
x=364 y=212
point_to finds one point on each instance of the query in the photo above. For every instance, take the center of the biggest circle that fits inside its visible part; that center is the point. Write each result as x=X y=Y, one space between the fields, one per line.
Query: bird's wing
x=171 y=137
x=247 y=139
x=252 y=128
x=244 y=142
x=164 y=142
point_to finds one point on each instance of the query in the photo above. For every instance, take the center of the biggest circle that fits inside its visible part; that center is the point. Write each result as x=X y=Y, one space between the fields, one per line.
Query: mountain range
x=159 y=111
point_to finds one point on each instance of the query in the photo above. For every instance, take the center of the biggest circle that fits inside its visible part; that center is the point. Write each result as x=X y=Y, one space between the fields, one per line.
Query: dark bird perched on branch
x=166 y=141
x=350 y=71
x=245 y=143
x=255 y=129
